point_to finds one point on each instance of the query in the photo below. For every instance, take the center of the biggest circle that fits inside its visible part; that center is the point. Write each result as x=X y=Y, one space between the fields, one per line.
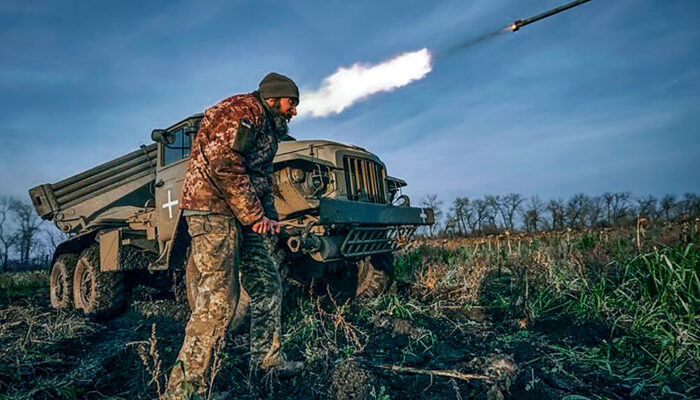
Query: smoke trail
x=474 y=41
x=349 y=85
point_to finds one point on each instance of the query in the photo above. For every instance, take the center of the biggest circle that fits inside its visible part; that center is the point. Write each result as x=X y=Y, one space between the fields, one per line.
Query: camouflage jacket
x=222 y=180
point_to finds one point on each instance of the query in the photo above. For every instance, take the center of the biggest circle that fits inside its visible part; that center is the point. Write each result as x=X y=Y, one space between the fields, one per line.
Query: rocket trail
x=349 y=85
x=471 y=42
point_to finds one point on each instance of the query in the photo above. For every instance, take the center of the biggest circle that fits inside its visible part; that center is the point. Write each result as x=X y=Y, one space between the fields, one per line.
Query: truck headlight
x=298 y=175
x=317 y=181
x=309 y=180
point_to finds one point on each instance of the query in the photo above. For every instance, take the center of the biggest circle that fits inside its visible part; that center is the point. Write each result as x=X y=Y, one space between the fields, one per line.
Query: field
x=572 y=315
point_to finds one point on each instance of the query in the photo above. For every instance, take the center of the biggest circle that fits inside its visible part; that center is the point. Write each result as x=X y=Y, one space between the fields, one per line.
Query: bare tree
x=451 y=226
x=595 y=210
x=493 y=209
x=617 y=205
x=621 y=206
x=533 y=218
x=691 y=204
x=509 y=205
x=608 y=199
x=480 y=209
x=646 y=207
x=28 y=225
x=52 y=237
x=432 y=201
x=668 y=206
x=556 y=209
x=576 y=210
x=8 y=235
x=470 y=217
x=462 y=214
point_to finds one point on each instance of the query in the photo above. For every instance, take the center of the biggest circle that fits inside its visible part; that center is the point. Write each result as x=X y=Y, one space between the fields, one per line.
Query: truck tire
x=374 y=275
x=61 y=281
x=99 y=294
x=192 y=278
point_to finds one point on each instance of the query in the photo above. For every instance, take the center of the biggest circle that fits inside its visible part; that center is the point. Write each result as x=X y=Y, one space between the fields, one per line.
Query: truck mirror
x=162 y=136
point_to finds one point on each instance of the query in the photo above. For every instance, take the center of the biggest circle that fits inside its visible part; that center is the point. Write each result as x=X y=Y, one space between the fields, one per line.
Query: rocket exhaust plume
x=359 y=81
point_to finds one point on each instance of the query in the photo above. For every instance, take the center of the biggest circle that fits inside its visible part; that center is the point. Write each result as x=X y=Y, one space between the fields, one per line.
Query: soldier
x=228 y=205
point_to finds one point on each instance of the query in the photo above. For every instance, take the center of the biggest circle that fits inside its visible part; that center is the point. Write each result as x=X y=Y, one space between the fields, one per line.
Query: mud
x=350 y=381
x=49 y=354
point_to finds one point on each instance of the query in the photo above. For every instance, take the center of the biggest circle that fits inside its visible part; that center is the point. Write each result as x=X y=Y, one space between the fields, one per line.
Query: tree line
x=513 y=212
x=25 y=240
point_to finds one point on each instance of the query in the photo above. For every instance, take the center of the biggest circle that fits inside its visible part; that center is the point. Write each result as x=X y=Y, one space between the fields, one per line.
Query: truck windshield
x=178 y=149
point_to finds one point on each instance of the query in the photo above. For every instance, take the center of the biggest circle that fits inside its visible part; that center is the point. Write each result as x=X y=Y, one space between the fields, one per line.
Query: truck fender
x=74 y=245
x=175 y=250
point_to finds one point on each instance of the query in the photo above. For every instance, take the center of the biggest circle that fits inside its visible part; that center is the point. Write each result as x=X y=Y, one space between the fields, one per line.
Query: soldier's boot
x=285 y=368
x=276 y=365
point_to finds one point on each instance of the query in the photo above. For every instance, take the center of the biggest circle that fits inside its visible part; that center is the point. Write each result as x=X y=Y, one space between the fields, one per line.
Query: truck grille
x=363 y=241
x=364 y=180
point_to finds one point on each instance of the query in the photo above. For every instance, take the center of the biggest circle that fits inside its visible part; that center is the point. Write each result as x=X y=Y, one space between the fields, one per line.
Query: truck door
x=173 y=157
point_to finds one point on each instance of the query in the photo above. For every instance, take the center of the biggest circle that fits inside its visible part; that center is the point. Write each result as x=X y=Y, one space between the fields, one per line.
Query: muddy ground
x=349 y=349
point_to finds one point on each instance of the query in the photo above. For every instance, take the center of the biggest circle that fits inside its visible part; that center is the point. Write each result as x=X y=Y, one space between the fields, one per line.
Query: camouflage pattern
x=218 y=243
x=215 y=240
x=262 y=281
x=222 y=180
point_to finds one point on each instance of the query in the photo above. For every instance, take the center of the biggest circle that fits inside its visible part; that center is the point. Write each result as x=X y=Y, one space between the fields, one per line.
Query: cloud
x=349 y=85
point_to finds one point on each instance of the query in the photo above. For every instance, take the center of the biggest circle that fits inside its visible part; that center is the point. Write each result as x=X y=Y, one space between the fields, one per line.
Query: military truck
x=342 y=215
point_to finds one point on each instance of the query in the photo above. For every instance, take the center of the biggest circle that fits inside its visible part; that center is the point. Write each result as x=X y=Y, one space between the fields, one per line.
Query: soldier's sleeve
x=228 y=168
x=268 y=200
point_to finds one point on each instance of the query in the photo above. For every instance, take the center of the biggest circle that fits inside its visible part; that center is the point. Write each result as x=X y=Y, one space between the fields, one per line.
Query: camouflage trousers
x=218 y=244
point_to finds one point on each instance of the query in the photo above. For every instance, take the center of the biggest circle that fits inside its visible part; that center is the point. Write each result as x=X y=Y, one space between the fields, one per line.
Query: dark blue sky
x=604 y=97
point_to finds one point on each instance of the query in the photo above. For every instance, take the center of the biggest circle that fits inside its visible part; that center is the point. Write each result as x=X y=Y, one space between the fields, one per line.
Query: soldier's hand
x=262 y=226
x=275 y=227
x=265 y=226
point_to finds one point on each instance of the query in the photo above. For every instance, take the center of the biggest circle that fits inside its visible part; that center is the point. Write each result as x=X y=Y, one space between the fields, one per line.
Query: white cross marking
x=169 y=205
x=422 y=215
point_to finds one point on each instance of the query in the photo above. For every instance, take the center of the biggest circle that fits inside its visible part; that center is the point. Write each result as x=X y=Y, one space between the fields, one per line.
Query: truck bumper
x=353 y=212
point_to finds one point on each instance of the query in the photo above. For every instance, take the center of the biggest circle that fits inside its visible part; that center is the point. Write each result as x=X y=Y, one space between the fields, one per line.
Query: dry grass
x=28 y=333
x=458 y=283
x=596 y=314
x=152 y=363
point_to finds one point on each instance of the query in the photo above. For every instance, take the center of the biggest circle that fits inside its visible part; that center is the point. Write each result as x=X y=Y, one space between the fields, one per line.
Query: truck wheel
x=192 y=278
x=374 y=275
x=61 y=281
x=99 y=294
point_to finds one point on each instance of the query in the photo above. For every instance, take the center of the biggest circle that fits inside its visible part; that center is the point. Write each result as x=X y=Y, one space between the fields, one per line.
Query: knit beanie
x=277 y=85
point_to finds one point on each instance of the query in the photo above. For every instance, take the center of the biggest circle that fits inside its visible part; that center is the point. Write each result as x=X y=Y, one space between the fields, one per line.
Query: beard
x=280 y=120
